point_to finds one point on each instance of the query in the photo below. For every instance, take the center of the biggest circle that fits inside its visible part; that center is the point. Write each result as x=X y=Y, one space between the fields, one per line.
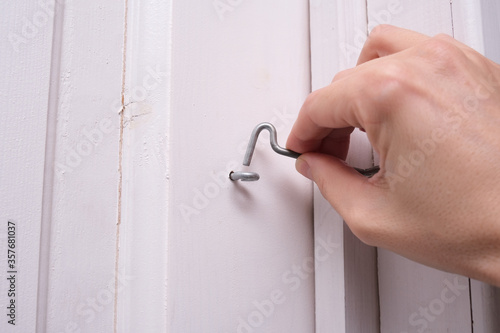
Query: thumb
x=340 y=184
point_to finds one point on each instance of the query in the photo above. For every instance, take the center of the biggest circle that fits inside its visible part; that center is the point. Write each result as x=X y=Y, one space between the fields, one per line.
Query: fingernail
x=303 y=168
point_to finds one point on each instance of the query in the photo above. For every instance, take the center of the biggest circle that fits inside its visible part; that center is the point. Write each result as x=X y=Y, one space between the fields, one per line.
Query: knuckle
x=443 y=53
x=379 y=35
x=444 y=37
x=385 y=85
x=440 y=46
x=342 y=74
x=393 y=75
x=380 y=31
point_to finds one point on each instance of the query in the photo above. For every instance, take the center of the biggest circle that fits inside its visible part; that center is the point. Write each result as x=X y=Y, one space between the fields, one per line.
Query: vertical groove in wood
x=49 y=169
x=470 y=304
x=452 y=19
x=467 y=23
x=120 y=166
x=361 y=280
x=485 y=301
x=360 y=260
x=312 y=185
x=25 y=97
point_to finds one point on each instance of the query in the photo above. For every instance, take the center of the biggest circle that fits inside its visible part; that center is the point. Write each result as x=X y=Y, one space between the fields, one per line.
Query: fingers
x=345 y=189
x=357 y=95
x=332 y=112
x=386 y=40
x=335 y=142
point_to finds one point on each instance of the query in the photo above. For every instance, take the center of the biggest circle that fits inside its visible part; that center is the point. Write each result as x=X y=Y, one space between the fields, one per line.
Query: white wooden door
x=121 y=122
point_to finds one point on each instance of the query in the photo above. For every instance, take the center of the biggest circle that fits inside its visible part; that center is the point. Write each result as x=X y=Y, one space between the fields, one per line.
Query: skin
x=430 y=107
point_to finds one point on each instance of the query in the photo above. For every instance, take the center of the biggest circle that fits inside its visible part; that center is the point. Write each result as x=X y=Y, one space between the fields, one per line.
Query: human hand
x=431 y=109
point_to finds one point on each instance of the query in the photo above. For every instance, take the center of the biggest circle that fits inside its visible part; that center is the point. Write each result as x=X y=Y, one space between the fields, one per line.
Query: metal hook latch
x=252 y=176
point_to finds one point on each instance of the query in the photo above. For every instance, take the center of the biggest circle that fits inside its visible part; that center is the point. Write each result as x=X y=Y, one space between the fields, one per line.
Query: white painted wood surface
x=68 y=91
x=141 y=303
x=85 y=208
x=240 y=255
x=416 y=298
x=490 y=11
x=25 y=101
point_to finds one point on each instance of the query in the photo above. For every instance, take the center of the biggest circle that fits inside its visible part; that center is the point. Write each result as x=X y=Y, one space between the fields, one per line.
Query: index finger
x=326 y=110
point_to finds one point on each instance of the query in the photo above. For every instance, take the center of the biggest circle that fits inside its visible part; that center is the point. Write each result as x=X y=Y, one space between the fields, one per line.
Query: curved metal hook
x=370 y=172
x=274 y=143
x=244 y=176
x=252 y=176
